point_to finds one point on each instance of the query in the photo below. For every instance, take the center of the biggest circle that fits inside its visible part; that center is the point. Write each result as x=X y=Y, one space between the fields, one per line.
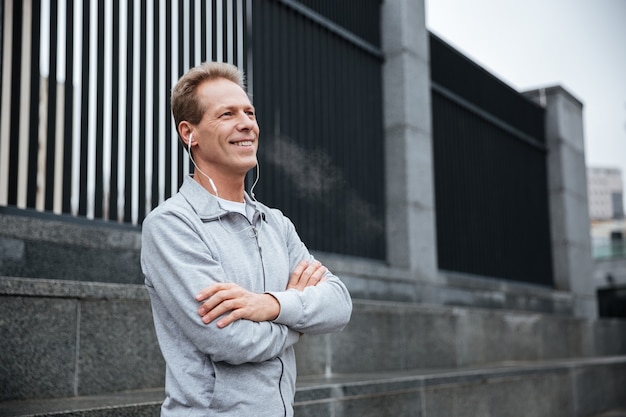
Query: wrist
x=273 y=307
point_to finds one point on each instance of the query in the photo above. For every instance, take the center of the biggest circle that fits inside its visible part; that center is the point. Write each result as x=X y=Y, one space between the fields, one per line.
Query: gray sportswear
x=247 y=368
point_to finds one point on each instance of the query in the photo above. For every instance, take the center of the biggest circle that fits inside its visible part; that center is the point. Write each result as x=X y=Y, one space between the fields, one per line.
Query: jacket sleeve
x=177 y=264
x=323 y=308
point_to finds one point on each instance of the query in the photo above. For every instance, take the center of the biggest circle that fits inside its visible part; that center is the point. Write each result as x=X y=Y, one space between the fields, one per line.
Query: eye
x=226 y=114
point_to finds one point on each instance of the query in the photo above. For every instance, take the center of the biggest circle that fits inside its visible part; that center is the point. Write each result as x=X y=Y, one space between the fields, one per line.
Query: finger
x=216 y=298
x=311 y=276
x=297 y=273
x=314 y=278
x=210 y=311
x=211 y=290
x=311 y=269
x=230 y=318
x=317 y=276
x=254 y=307
x=219 y=310
x=212 y=302
x=308 y=273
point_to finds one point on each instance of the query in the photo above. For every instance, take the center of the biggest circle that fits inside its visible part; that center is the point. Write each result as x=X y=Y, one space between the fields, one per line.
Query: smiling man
x=232 y=286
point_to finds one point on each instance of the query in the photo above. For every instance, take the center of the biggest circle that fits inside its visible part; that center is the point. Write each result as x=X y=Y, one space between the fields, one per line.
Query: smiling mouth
x=243 y=143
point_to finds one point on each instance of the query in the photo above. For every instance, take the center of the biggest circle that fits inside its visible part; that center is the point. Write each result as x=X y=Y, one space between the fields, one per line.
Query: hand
x=307 y=275
x=221 y=298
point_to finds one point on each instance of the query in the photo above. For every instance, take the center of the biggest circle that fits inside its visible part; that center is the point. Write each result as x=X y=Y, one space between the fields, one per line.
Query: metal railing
x=318 y=92
x=86 y=126
x=490 y=161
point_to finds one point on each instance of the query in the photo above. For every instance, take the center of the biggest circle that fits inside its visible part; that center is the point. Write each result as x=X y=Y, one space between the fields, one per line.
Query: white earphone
x=196 y=166
x=215 y=188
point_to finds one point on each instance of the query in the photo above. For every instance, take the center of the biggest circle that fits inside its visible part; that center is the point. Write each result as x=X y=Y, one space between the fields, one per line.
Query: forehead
x=222 y=93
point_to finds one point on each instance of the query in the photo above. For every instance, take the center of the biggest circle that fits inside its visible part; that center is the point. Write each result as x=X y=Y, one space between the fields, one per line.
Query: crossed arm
x=220 y=298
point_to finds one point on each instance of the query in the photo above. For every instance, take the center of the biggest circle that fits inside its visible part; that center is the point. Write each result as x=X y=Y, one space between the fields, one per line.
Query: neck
x=227 y=188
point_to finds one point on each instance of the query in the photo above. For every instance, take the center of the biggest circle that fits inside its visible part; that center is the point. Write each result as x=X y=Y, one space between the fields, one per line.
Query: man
x=231 y=284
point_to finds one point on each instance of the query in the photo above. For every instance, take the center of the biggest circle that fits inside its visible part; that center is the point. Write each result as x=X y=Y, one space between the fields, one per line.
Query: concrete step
x=128 y=403
x=570 y=388
x=48 y=246
x=69 y=338
x=621 y=412
x=573 y=388
x=43 y=245
x=393 y=336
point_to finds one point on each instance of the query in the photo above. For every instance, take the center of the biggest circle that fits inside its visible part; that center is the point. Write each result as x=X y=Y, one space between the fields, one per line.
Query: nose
x=246 y=122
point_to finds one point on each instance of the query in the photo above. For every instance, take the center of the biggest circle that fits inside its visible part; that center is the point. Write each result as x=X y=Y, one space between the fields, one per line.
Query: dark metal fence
x=317 y=89
x=612 y=301
x=490 y=162
x=86 y=128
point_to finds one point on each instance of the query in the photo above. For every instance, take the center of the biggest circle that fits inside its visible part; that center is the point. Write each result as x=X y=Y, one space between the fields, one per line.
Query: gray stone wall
x=569 y=212
x=409 y=184
x=57 y=247
x=68 y=338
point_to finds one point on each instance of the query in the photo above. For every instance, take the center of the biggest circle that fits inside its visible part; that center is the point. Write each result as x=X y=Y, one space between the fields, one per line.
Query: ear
x=184 y=130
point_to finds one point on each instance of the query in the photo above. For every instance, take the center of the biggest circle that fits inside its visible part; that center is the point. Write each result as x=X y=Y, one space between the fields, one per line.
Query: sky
x=577 y=44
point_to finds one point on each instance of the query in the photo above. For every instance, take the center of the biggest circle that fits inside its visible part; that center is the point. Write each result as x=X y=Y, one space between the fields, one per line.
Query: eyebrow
x=233 y=107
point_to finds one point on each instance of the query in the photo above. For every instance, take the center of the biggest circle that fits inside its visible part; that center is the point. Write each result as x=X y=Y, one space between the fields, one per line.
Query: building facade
x=606 y=193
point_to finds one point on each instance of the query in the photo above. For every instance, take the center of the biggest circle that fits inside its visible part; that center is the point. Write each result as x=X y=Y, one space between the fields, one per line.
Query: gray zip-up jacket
x=247 y=368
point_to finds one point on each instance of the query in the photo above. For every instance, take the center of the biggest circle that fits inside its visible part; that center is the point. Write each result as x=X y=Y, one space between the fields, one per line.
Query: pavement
x=613 y=413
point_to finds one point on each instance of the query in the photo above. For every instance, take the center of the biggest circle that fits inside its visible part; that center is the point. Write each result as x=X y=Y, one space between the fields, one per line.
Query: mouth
x=242 y=143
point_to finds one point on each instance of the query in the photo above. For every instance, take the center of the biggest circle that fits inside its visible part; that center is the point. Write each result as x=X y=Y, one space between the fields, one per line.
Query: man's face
x=228 y=133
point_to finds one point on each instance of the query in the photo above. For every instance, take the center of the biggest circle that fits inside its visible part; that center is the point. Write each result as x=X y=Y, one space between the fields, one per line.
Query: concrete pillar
x=569 y=212
x=411 y=238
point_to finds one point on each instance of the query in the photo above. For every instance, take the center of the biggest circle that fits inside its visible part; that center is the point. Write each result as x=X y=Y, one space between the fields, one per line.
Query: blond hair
x=186 y=105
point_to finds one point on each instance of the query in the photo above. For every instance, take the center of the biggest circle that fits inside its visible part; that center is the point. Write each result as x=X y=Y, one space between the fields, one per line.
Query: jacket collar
x=206 y=205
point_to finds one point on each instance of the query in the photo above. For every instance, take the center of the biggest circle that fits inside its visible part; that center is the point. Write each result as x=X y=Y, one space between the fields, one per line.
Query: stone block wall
x=59 y=247
x=63 y=339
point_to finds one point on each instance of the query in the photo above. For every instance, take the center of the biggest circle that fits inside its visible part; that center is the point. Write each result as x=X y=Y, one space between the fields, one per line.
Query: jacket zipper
x=282 y=364
x=256 y=238
x=280 y=380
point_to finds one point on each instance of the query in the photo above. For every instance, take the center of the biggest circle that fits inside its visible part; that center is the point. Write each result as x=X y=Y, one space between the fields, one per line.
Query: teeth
x=244 y=143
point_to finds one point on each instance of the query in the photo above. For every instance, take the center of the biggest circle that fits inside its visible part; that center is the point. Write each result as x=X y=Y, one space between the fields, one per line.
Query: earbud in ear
x=189 y=143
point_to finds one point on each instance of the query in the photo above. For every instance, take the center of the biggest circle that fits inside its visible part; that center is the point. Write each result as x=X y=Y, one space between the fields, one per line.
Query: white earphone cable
x=219 y=218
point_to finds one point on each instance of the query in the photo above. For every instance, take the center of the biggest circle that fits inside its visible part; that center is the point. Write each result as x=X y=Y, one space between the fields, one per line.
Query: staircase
x=77 y=340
